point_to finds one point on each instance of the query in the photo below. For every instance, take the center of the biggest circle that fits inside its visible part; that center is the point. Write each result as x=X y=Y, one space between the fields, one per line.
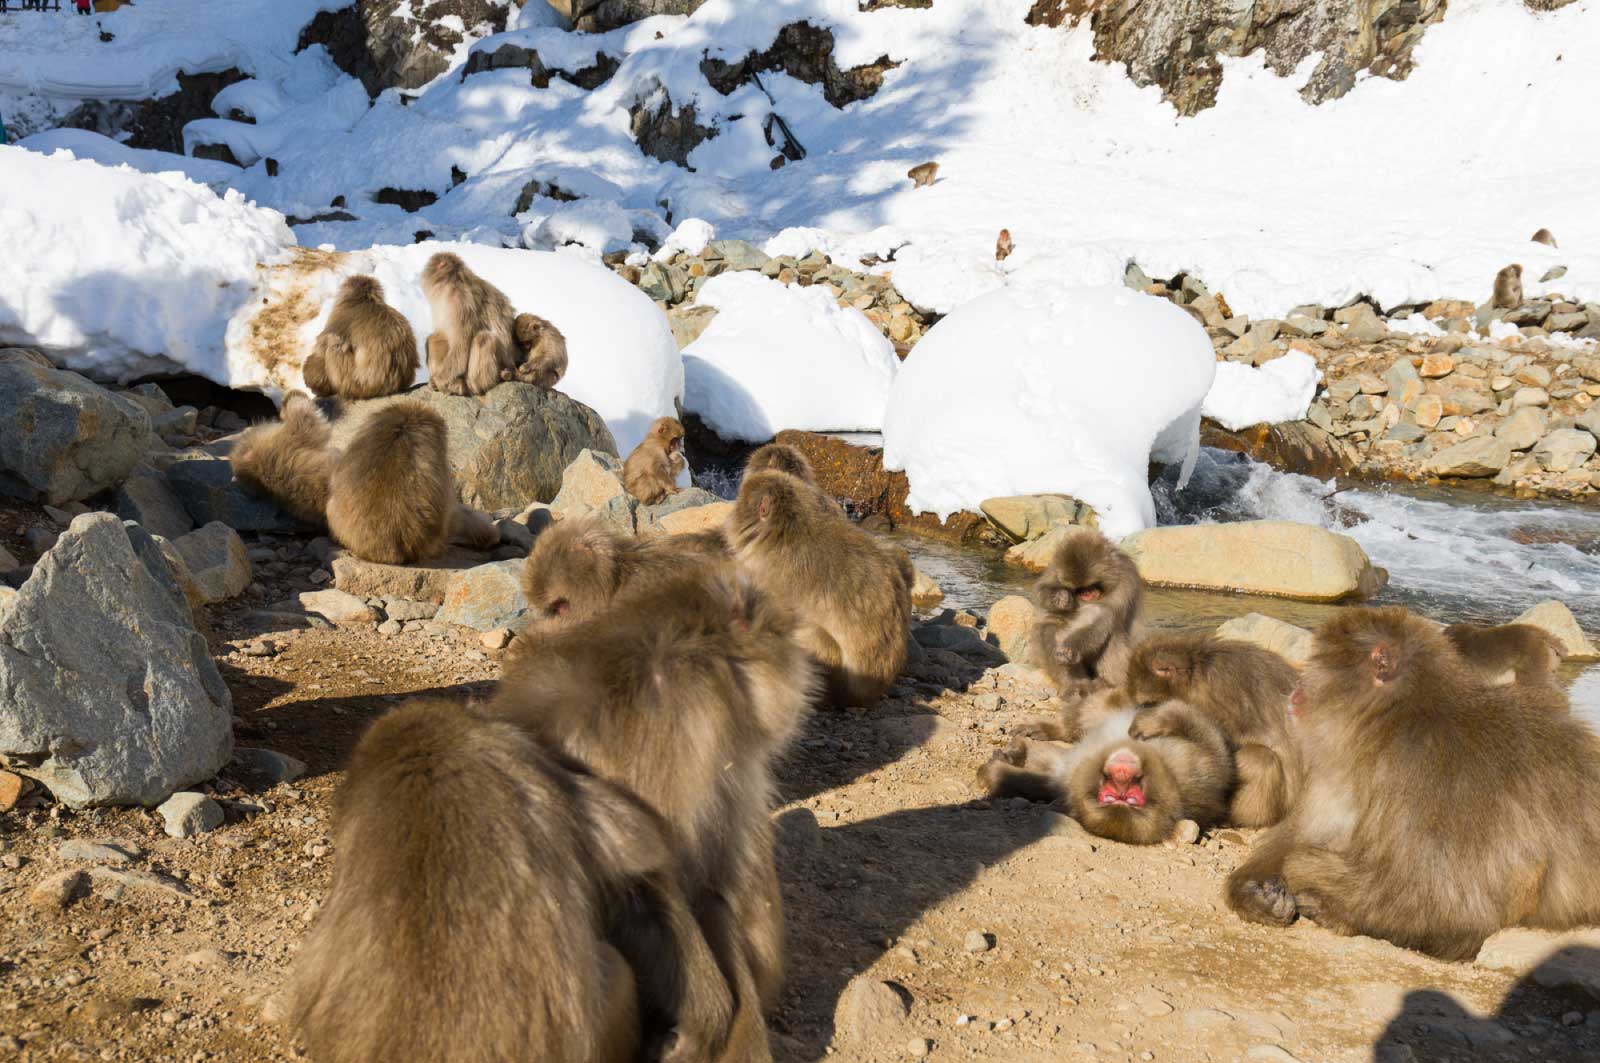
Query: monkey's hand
x=1051 y=728
x=1266 y=901
x=1148 y=723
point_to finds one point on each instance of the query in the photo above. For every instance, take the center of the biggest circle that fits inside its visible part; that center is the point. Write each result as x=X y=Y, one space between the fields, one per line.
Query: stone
x=1569 y=322
x=1428 y=410
x=648 y=518
x=1532 y=312
x=406 y=609
x=385 y=44
x=274 y=767
x=65 y=438
x=978 y=941
x=1187 y=832
x=1588 y=420
x=593 y=483
x=1403 y=382
x=1534 y=375
x=55 y=892
x=427 y=582
x=1557 y=961
x=1530 y=397
x=919 y=1047
x=12 y=787
x=869 y=1009
x=205 y=485
x=111 y=852
x=1436 y=365
x=1023 y=518
x=1471 y=458
x=1010 y=623
x=486 y=597
x=1035 y=556
x=925 y=593
x=111 y=694
x=40 y=539
x=187 y=813
x=1523 y=428
x=1563 y=449
x=508 y=447
x=338 y=607
x=688 y=322
x=737 y=254
x=1466 y=401
x=1371 y=384
x=1555 y=618
x=698 y=519
x=1288 y=641
x=1361 y=323
x=146 y=498
x=217 y=561
x=8 y=564
x=1271 y=557
x=498 y=639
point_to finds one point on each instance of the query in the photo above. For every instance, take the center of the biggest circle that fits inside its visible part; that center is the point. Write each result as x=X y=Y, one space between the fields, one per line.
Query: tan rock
x=925 y=593
x=497 y=639
x=1288 y=641
x=1446 y=308
x=1010 y=621
x=1436 y=365
x=12 y=787
x=1557 y=619
x=698 y=519
x=1480 y=456
x=1428 y=410
x=1281 y=559
x=1025 y=517
x=593 y=480
x=422 y=583
x=1035 y=555
x=1563 y=961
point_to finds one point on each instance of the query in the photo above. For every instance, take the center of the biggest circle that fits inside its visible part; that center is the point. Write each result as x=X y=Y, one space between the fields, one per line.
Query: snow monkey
x=473 y=341
x=366 y=350
x=923 y=173
x=1508 y=653
x=543 y=352
x=1508 y=287
x=651 y=472
x=469 y=855
x=1245 y=691
x=783 y=458
x=1092 y=600
x=853 y=598
x=683 y=696
x=1122 y=788
x=1438 y=809
x=290 y=460
x=1544 y=236
x=1003 y=246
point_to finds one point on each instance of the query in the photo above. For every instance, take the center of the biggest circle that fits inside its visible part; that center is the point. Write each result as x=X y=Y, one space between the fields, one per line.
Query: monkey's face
x=1121 y=780
x=1065 y=599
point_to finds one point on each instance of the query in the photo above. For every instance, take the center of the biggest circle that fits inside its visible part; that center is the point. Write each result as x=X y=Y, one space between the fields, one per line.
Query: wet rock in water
x=1277 y=558
x=1035 y=556
x=1563 y=449
x=1555 y=618
x=696 y=519
x=1291 y=643
x=1473 y=458
x=1011 y=619
x=274 y=767
x=925 y=593
x=487 y=597
x=112 y=694
x=216 y=560
x=146 y=498
x=65 y=438
x=1022 y=518
x=869 y=1009
x=206 y=487
x=186 y=814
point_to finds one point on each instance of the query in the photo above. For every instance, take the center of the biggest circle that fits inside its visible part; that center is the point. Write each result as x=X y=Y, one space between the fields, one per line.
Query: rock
x=593 y=483
x=274 y=767
x=405 y=609
x=1534 y=375
x=925 y=593
x=919 y=1047
x=869 y=1009
x=99 y=852
x=8 y=564
x=112 y=696
x=1277 y=558
x=1481 y=456
x=1010 y=625
x=1361 y=325
x=65 y=437
x=146 y=498
x=507 y=448
x=390 y=627
x=1403 y=382
x=1530 y=397
x=389 y=44
x=186 y=814
x=12 y=787
x=1186 y=833
x=1588 y=420
x=337 y=607
x=55 y=892
x=487 y=597
x=1523 y=428
x=1464 y=401
x=1563 y=449
x=205 y=486
x=1023 y=518
x=1291 y=643
x=1428 y=410
x=40 y=539
x=649 y=518
x=978 y=941
x=1562 y=962
x=1555 y=618
x=688 y=322
x=217 y=562
x=1532 y=312
x=498 y=639
x=1436 y=365
x=798 y=833
x=427 y=582
x=737 y=254
x=1294 y=446
x=1035 y=556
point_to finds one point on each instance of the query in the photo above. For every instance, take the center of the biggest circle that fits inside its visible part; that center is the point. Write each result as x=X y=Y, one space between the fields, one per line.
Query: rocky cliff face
x=398 y=43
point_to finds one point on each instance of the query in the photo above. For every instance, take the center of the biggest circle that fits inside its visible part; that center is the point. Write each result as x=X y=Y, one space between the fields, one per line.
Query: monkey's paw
x=1269 y=901
x=1146 y=726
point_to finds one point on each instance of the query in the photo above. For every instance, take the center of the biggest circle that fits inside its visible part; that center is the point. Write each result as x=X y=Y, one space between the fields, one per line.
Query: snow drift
x=1281 y=390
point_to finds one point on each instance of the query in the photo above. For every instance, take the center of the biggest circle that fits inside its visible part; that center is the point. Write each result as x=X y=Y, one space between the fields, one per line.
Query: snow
x=597 y=226
x=86 y=144
x=690 y=237
x=1042 y=388
x=778 y=357
x=1279 y=391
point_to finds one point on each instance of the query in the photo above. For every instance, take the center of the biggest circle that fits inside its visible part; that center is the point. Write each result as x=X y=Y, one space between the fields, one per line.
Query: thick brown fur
x=393 y=499
x=1077 y=716
x=780 y=457
x=1508 y=653
x=473 y=341
x=651 y=472
x=1245 y=690
x=685 y=694
x=1187 y=773
x=289 y=461
x=1544 y=236
x=1003 y=246
x=1091 y=604
x=492 y=902
x=542 y=352
x=1508 y=288
x=1438 y=808
x=852 y=597
x=924 y=173
x=366 y=350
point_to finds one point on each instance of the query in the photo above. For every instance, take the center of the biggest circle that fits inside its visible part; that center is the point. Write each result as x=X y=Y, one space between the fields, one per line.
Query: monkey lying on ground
x=684 y=695
x=1508 y=653
x=1122 y=788
x=853 y=598
x=651 y=472
x=1245 y=690
x=542 y=352
x=1092 y=600
x=924 y=173
x=289 y=461
x=367 y=349
x=492 y=902
x=473 y=341
x=1438 y=808
x=1508 y=288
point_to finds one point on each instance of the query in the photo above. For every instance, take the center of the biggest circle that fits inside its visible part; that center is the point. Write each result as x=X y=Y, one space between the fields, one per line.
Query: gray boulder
x=507 y=448
x=147 y=499
x=486 y=598
x=108 y=694
x=217 y=561
x=65 y=437
x=592 y=484
x=1563 y=449
x=204 y=484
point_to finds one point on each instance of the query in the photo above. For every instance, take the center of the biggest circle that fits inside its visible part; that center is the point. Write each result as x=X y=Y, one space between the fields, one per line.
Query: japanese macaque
x=1508 y=288
x=473 y=340
x=852 y=597
x=1091 y=598
x=1544 y=236
x=684 y=696
x=543 y=352
x=1438 y=808
x=651 y=472
x=924 y=173
x=290 y=460
x=1508 y=653
x=1245 y=691
x=366 y=350
x=1078 y=716
x=1002 y=246
x=493 y=901
x=1121 y=788
x=780 y=457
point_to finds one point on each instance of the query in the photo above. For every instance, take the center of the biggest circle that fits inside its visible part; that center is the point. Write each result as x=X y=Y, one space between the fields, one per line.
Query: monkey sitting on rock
x=651 y=472
x=1091 y=601
x=367 y=349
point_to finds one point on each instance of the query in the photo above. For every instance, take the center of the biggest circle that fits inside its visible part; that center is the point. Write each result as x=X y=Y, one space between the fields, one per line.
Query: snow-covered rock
x=1279 y=391
x=1036 y=389
x=778 y=357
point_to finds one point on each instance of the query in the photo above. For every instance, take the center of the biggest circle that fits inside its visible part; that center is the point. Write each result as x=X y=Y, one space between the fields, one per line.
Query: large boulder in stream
x=1277 y=558
x=64 y=437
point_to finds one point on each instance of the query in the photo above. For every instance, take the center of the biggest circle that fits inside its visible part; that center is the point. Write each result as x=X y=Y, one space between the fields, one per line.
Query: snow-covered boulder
x=1279 y=391
x=1037 y=389
x=779 y=356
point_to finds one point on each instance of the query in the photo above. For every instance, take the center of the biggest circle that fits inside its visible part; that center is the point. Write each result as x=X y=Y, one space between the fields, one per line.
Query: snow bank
x=117 y=272
x=779 y=357
x=1038 y=388
x=86 y=144
x=1281 y=390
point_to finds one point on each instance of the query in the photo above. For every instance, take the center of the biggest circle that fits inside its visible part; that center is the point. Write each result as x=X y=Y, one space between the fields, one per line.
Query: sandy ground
x=1012 y=934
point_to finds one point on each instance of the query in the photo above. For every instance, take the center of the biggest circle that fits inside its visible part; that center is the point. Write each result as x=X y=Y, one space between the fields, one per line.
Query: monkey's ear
x=1385 y=663
x=764 y=507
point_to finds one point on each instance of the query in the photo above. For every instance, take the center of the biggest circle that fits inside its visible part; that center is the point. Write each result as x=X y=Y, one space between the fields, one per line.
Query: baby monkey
x=543 y=352
x=1508 y=288
x=651 y=472
x=924 y=173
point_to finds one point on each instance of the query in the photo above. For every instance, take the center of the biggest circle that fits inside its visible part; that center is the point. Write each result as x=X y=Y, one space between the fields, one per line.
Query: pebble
x=55 y=892
x=260 y=648
x=12 y=787
x=186 y=814
x=497 y=639
x=978 y=941
x=13 y=861
x=1188 y=832
x=390 y=627
x=919 y=1047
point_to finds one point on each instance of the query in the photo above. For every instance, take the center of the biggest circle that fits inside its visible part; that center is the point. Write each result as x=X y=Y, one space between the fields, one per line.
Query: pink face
x=1121 y=782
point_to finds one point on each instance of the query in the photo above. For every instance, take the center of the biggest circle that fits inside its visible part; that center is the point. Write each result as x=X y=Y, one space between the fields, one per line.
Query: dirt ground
x=1013 y=935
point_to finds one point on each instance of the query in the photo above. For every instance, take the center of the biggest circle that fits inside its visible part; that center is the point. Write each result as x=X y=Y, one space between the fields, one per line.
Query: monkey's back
x=386 y=351
x=391 y=492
